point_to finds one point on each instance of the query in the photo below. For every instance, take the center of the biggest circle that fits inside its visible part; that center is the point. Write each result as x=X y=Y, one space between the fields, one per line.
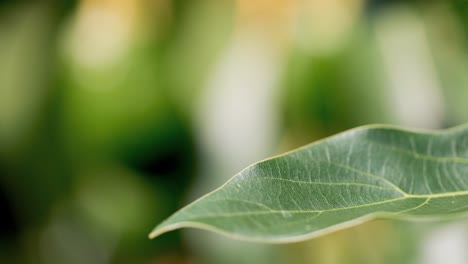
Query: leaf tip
x=155 y=233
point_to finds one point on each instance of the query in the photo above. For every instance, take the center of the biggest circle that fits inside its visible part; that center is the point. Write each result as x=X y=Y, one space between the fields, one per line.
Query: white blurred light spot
x=99 y=37
x=446 y=245
x=237 y=120
x=415 y=97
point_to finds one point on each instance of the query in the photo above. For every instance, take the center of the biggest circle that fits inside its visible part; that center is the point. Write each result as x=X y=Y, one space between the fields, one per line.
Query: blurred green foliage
x=104 y=128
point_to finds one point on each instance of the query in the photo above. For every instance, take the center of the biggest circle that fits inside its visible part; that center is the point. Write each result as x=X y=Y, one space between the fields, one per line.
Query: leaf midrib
x=409 y=196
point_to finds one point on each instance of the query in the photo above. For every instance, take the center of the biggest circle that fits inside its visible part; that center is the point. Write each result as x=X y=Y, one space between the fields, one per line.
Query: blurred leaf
x=342 y=181
x=323 y=95
x=24 y=71
x=200 y=32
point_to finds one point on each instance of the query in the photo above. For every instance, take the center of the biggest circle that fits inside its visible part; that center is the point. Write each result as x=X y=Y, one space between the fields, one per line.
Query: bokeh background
x=115 y=113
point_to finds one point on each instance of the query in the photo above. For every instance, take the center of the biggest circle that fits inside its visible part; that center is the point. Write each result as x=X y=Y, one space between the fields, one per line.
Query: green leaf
x=341 y=181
